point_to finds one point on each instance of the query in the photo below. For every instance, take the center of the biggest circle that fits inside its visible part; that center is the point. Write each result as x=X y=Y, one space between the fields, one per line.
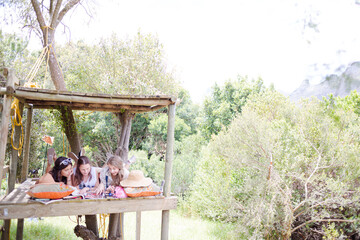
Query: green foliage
x=99 y=131
x=185 y=163
x=153 y=167
x=188 y=111
x=12 y=49
x=226 y=102
x=117 y=66
x=211 y=194
x=158 y=131
x=280 y=165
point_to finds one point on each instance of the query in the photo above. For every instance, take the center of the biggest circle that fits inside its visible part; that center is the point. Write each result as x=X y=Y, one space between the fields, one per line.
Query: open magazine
x=87 y=195
x=75 y=195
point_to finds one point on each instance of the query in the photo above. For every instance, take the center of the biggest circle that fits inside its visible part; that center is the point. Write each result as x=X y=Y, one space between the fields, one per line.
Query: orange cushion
x=50 y=191
x=151 y=190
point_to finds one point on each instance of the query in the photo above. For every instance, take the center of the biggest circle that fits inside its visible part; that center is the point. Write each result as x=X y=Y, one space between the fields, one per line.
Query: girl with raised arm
x=111 y=175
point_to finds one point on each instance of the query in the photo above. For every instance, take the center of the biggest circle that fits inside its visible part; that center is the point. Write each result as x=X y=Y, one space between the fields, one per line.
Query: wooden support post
x=25 y=164
x=5 y=117
x=138 y=225
x=116 y=226
x=120 y=230
x=14 y=153
x=20 y=229
x=6 y=232
x=168 y=169
x=91 y=224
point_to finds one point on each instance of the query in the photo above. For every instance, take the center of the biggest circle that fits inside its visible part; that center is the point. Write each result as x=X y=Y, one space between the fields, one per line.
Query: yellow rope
x=16 y=120
x=103 y=227
x=45 y=52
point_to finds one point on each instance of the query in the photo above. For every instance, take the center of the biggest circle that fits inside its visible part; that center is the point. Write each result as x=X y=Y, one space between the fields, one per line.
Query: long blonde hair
x=117 y=162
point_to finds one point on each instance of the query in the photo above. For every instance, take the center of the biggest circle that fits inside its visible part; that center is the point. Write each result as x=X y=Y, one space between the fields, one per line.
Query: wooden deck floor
x=18 y=204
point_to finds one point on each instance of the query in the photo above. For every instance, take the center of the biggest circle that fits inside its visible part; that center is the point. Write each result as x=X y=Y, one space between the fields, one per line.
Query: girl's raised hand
x=100 y=189
x=110 y=189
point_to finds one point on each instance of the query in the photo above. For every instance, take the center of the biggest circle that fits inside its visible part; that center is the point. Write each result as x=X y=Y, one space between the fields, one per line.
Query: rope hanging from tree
x=45 y=52
x=16 y=120
x=103 y=226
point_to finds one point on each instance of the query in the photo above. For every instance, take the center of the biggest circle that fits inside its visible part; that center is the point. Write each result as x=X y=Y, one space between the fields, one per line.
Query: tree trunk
x=70 y=129
x=116 y=222
x=125 y=118
x=56 y=12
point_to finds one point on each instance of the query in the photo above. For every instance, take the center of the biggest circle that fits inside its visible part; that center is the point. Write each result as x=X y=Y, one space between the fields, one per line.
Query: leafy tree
x=225 y=102
x=283 y=171
x=116 y=66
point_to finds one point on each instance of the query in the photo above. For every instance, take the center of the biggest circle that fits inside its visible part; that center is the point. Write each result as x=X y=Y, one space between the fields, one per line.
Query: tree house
x=18 y=205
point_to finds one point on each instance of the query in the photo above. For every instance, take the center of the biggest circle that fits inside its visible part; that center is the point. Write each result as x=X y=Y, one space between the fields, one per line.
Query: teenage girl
x=85 y=177
x=61 y=172
x=111 y=175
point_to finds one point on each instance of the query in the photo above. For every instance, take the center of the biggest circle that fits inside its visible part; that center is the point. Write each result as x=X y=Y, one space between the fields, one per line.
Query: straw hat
x=136 y=179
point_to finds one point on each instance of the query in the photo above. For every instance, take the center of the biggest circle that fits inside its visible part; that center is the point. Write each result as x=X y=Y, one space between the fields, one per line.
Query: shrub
x=283 y=170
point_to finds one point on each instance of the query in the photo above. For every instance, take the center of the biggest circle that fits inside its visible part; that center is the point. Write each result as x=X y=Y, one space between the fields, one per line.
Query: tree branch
x=67 y=7
x=54 y=18
x=51 y=9
x=321 y=220
x=39 y=16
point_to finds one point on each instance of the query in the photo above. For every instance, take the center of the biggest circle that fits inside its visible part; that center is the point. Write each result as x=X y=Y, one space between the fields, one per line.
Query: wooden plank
x=19 y=209
x=100 y=95
x=87 y=99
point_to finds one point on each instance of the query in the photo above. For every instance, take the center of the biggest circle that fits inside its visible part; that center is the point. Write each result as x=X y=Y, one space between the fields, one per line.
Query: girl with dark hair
x=85 y=177
x=61 y=172
x=111 y=175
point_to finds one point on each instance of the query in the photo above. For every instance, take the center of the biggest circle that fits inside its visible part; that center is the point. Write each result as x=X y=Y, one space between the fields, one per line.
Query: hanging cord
x=50 y=48
x=16 y=120
x=45 y=52
x=78 y=219
x=103 y=227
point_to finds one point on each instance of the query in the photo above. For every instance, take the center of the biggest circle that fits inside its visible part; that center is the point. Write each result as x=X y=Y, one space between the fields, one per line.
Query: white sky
x=210 y=41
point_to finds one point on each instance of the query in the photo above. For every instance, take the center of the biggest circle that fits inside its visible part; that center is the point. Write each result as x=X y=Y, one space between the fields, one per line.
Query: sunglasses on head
x=65 y=162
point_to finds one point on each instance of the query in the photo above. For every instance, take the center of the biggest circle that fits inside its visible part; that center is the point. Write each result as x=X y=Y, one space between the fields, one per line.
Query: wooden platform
x=18 y=204
x=49 y=99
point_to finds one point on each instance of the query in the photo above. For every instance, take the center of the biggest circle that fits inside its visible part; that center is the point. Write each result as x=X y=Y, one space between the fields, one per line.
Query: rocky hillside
x=338 y=85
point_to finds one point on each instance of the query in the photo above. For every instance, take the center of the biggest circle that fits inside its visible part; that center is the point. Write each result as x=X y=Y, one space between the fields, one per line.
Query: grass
x=181 y=228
